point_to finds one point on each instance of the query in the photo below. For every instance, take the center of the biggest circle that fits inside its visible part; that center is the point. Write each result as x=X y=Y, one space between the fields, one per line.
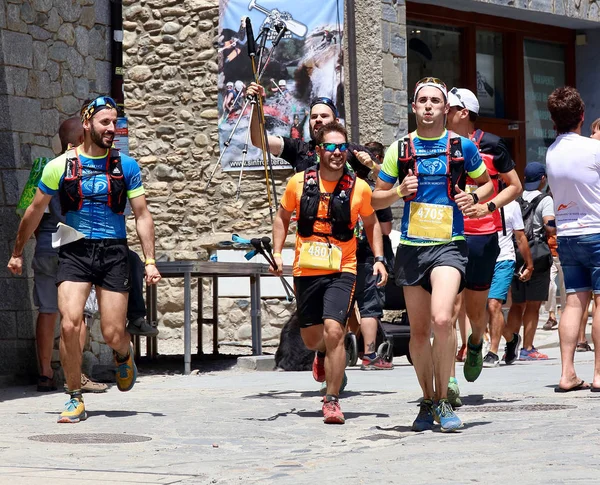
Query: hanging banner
x=306 y=63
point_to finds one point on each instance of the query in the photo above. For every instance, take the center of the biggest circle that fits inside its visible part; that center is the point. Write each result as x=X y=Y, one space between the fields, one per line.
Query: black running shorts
x=483 y=252
x=324 y=296
x=369 y=297
x=102 y=262
x=414 y=263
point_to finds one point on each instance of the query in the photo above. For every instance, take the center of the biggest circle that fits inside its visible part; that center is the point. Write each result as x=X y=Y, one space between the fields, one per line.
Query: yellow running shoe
x=74 y=411
x=126 y=372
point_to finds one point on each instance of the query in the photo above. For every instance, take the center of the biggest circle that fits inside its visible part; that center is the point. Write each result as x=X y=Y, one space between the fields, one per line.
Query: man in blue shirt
x=93 y=182
x=431 y=165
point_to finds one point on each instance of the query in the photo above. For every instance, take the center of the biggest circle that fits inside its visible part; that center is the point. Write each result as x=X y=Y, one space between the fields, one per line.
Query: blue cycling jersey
x=95 y=220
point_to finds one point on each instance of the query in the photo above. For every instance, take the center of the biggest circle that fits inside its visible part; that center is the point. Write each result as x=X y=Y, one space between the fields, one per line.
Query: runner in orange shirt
x=328 y=199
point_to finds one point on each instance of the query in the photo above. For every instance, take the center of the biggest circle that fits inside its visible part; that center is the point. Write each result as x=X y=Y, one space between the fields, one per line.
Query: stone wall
x=53 y=55
x=580 y=9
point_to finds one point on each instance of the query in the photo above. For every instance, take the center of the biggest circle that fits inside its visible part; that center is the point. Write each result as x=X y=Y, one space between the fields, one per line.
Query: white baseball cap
x=282 y=82
x=463 y=98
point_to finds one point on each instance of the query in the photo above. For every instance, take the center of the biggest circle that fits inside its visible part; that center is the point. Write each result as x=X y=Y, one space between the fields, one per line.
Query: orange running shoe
x=332 y=413
x=318 y=368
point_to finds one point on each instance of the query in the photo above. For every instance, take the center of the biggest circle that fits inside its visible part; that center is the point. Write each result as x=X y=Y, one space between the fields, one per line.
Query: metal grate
x=500 y=408
x=90 y=438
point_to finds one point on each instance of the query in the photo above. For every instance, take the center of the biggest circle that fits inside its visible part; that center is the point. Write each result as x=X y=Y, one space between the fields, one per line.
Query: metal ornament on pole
x=258 y=72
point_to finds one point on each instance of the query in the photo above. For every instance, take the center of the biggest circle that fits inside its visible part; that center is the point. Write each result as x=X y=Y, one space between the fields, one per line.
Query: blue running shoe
x=126 y=371
x=424 y=420
x=445 y=415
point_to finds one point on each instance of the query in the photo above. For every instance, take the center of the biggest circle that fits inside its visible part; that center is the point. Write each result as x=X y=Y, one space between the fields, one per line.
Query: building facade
x=56 y=53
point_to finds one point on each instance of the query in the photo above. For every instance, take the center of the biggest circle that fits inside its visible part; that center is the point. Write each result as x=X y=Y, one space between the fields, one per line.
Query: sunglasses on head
x=456 y=93
x=98 y=104
x=326 y=101
x=331 y=147
x=431 y=80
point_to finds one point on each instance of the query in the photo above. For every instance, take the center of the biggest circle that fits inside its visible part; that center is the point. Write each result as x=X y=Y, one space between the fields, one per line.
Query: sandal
x=550 y=324
x=45 y=384
x=584 y=347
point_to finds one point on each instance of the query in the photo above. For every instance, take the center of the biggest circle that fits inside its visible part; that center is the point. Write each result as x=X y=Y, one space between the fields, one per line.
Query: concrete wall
x=53 y=55
x=588 y=77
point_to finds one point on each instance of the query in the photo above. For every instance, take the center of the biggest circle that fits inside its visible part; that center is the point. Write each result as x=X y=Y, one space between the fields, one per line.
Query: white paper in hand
x=65 y=235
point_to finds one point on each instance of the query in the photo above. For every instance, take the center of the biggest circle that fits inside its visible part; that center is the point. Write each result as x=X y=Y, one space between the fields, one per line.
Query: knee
x=494 y=306
x=420 y=333
x=113 y=336
x=70 y=327
x=333 y=333
x=441 y=323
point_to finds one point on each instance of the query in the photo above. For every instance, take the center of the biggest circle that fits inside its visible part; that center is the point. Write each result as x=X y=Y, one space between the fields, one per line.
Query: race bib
x=430 y=221
x=320 y=255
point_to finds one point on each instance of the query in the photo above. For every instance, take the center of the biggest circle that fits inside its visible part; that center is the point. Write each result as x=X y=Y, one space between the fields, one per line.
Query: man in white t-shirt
x=528 y=296
x=574 y=173
x=501 y=282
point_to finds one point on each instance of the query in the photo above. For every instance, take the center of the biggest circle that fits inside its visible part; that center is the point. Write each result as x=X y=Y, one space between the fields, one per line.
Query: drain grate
x=516 y=408
x=90 y=438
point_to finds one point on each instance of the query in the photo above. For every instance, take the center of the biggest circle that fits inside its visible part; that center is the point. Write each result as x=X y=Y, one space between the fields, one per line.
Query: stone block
x=88 y=17
x=257 y=362
x=2 y=16
x=70 y=11
x=8 y=143
x=103 y=73
x=9 y=358
x=26 y=322
x=13 y=182
x=8 y=326
x=50 y=121
x=54 y=21
x=18 y=49
x=68 y=105
x=81 y=88
x=42 y=5
x=102 y=11
x=542 y=5
x=391 y=74
x=16 y=287
x=16 y=80
x=89 y=362
x=58 y=51
x=98 y=45
x=397 y=41
x=75 y=63
x=53 y=70
x=27 y=12
x=40 y=55
x=82 y=38
x=66 y=33
x=13 y=19
x=26 y=114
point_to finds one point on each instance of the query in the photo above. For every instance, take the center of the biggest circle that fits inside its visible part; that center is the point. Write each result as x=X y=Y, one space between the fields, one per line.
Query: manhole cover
x=90 y=438
x=516 y=408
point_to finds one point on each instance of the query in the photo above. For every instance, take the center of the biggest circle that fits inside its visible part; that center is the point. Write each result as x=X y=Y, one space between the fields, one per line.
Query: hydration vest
x=70 y=192
x=338 y=213
x=492 y=222
x=455 y=166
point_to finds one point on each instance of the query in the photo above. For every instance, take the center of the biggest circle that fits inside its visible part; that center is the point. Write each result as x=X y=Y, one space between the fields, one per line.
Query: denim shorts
x=580 y=261
x=502 y=279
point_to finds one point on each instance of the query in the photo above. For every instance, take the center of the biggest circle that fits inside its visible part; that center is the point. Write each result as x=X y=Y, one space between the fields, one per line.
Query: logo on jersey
x=432 y=166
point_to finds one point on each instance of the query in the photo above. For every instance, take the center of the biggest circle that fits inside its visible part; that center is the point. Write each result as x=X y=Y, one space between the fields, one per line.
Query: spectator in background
x=573 y=163
x=528 y=296
x=595 y=129
x=555 y=272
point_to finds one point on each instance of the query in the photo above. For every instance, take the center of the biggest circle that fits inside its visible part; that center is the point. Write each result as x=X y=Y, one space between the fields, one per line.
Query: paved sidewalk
x=234 y=427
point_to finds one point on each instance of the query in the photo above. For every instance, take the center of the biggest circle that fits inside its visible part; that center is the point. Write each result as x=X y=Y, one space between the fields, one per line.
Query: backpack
x=538 y=243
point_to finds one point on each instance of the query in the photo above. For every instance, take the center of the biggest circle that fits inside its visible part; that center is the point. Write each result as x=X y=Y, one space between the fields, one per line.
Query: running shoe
x=461 y=354
x=318 y=368
x=532 y=354
x=424 y=420
x=511 y=351
x=323 y=389
x=491 y=360
x=126 y=372
x=473 y=361
x=332 y=413
x=74 y=411
x=445 y=415
x=454 y=393
x=378 y=363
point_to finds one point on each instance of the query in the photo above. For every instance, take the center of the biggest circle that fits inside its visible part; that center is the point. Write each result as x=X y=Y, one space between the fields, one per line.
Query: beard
x=98 y=140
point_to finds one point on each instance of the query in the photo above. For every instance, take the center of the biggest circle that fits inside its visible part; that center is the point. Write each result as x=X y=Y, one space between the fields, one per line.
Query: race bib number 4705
x=430 y=221
x=320 y=255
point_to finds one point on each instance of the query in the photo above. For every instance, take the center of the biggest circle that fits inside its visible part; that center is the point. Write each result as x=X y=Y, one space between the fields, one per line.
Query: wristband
x=277 y=255
x=399 y=192
x=13 y=255
x=150 y=261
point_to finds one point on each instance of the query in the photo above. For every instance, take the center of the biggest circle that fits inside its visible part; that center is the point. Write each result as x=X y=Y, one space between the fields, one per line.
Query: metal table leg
x=200 y=315
x=187 y=324
x=152 y=316
x=215 y=317
x=255 y=314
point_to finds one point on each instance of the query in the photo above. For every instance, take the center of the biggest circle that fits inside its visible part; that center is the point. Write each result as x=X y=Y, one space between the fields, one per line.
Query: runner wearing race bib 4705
x=431 y=166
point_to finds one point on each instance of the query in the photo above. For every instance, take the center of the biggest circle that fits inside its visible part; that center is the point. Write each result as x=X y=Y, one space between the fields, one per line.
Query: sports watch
x=491 y=207
x=380 y=259
x=475 y=198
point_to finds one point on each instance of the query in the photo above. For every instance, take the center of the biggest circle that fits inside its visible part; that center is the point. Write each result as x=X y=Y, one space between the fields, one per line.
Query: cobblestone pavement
x=233 y=426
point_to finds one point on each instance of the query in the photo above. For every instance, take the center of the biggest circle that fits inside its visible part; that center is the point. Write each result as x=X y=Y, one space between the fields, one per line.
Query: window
x=544 y=71
x=490 y=74
x=433 y=50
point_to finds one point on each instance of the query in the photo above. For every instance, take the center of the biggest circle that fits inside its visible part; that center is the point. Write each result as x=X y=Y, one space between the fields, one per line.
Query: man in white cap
x=431 y=166
x=482 y=222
